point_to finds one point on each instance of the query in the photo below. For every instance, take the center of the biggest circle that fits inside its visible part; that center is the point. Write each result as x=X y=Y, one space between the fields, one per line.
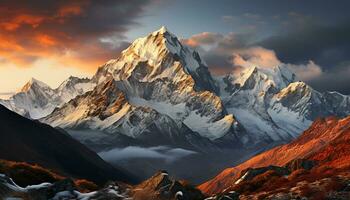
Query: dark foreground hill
x=29 y=141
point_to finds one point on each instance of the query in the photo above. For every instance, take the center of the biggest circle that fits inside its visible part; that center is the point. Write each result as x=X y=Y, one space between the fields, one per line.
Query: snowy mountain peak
x=71 y=81
x=157 y=56
x=279 y=77
x=162 y=30
x=293 y=88
x=245 y=75
x=156 y=46
x=285 y=76
x=33 y=82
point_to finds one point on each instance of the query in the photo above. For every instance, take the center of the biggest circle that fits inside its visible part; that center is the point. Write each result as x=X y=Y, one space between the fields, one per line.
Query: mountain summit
x=156 y=56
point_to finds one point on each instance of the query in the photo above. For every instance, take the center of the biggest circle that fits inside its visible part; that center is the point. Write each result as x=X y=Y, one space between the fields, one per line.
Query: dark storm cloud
x=216 y=49
x=327 y=45
x=334 y=79
x=309 y=36
x=73 y=30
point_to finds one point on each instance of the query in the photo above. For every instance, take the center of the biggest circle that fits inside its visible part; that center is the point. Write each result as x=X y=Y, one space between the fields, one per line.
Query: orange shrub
x=85 y=185
x=26 y=174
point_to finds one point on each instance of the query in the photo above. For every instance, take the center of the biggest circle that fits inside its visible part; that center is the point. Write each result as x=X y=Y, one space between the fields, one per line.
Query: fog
x=165 y=153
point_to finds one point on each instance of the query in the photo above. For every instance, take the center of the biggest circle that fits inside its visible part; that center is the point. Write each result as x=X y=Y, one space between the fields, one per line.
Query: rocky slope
x=160 y=186
x=324 y=147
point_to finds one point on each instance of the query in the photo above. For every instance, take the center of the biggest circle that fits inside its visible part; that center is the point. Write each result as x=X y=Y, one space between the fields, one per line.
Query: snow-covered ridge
x=273 y=106
x=36 y=99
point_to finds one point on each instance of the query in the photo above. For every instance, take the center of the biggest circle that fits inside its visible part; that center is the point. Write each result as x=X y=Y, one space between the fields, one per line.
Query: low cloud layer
x=159 y=152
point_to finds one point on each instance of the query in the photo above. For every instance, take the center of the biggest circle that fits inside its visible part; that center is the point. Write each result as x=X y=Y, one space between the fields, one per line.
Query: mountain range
x=160 y=92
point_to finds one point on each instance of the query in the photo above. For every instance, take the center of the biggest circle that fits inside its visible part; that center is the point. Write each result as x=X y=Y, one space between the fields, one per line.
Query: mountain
x=158 y=74
x=273 y=106
x=324 y=147
x=106 y=108
x=258 y=106
x=159 y=78
x=36 y=99
x=30 y=141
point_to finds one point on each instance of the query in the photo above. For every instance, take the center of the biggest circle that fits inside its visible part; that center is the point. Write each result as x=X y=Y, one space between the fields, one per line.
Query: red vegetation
x=85 y=185
x=25 y=174
x=326 y=141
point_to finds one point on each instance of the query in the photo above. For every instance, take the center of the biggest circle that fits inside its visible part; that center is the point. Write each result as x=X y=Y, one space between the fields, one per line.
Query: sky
x=51 y=40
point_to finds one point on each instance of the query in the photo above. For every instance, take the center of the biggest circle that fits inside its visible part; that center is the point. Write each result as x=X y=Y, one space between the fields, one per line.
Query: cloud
x=255 y=56
x=205 y=38
x=65 y=30
x=336 y=79
x=159 y=152
x=304 y=38
x=265 y=58
x=306 y=72
x=232 y=52
x=216 y=49
x=316 y=50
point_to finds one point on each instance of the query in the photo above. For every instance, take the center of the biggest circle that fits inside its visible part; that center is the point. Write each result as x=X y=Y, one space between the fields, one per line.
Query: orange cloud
x=70 y=10
x=23 y=19
x=204 y=38
x=255 y=56
x=46 y=40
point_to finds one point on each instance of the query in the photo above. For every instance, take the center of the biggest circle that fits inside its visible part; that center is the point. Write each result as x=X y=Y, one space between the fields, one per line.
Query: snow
x=106 y=123
x=179 y=193
x=221 y=127
x=8 y=182
x=39 y=100
x=254 y=124
x=153 y=50
x=6 y=96
x=242 y=178
x=177 y=111
x=195 y=121
x=206 y=128
x=75 y=195
x=13 y=186
x=278 y=76
x=75 y=115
